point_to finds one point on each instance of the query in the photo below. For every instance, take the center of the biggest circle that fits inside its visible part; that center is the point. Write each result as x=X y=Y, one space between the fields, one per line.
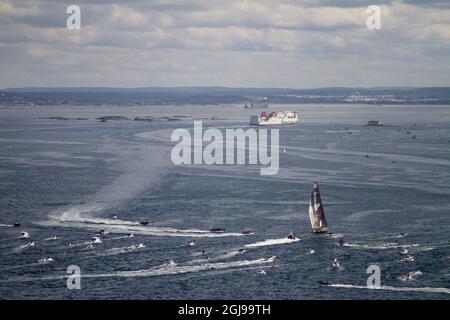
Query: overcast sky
x=239 y=43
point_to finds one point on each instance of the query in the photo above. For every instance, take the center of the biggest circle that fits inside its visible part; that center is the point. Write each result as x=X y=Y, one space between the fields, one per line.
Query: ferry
x=275 y=118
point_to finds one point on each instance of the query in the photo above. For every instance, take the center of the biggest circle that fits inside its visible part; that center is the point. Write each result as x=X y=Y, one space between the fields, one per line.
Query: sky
x=234 y=43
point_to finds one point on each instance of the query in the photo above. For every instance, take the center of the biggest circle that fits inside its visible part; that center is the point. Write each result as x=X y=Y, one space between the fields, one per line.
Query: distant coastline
x=100 y=96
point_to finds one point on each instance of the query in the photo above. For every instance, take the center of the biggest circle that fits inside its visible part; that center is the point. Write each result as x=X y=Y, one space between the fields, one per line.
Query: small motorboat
x=171 y=264
x=51 y=238
x=336 y=263
x=217 y=230
x=408 y=258
x=292 y=236
x=410 y=275
x=190 y=243
x=310 y=252
x=144 y=223
x=247 y=231
x=270 y=258
x=134 y=247
x=24 y=235
x=403 y=251
x=96 y=240
x=46 y=260
x=261 y=272
x=29 y=244
x=16 y=224
x=131 y=235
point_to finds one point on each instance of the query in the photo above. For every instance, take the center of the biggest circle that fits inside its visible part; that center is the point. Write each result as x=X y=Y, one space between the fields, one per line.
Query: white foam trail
x=162 y=270
x=336 y=235
x=390 y=288
x=82 y=217
x=34 y=264
x=23 y=247
x=270 y=242
x=384 y=246
x=220 y=257
x=5 y=225
x=114 y=251
x=181 y=269
x=144 y=168
x=341 y=131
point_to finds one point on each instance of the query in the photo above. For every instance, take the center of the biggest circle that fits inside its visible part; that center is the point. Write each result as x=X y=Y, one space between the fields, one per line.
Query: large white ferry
x=275 y=118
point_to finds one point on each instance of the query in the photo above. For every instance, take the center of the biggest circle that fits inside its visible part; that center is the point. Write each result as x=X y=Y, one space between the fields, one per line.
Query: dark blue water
x=72 y=178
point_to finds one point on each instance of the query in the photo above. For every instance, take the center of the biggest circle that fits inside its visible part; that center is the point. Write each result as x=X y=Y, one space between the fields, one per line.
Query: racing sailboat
x=316 y=211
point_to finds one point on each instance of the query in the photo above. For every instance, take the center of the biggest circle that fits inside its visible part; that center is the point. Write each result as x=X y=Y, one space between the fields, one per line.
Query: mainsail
x=316 y=211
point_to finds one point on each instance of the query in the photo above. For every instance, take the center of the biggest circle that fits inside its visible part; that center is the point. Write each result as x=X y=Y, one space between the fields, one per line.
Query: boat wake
x=163 y=270
x=390 y=288
x=382 y=246
x=270 y=242
x=116 y=251
x=83 y=217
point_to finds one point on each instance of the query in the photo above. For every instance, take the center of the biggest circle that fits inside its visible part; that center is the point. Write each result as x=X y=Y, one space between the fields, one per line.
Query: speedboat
x=96 y=240
x=408 y=258
x=29 y=244
x=171 y=264
x=131 y=235
x=410 y=275
x=144 y=223
x=16 y=224
x=24 y=235
x=217 y=229
x=46 y=260
x=261 y=272
x=135 y=247
x=292 y=236
x=247 y=231
x=190 y=243
x=271 y=258
x=336 y=263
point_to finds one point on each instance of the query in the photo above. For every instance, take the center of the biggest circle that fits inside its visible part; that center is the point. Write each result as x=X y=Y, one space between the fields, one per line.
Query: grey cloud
x=224 y=42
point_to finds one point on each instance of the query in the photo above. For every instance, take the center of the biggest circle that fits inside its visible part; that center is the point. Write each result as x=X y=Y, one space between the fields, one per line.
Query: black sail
x=316 y=211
